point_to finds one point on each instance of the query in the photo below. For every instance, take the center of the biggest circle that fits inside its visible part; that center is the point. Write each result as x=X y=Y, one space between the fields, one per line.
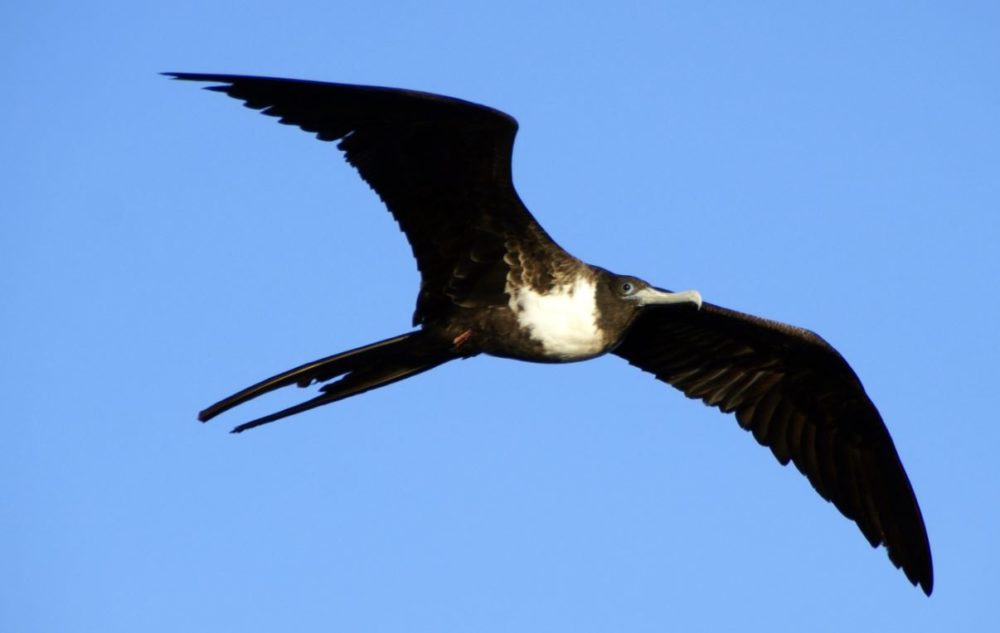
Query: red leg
x=461 y=339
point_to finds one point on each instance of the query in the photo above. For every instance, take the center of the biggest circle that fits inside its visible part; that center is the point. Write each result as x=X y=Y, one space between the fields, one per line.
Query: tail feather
x=361 y=369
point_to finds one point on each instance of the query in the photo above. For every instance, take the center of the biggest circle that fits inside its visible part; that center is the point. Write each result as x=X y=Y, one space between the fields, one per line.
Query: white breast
x=564 y=321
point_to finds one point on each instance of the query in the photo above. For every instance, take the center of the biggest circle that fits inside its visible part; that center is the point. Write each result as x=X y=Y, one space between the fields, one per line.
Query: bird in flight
x=493 y=282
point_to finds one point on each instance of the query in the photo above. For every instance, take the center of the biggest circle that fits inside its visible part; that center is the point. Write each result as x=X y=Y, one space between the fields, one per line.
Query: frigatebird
x=494 y=282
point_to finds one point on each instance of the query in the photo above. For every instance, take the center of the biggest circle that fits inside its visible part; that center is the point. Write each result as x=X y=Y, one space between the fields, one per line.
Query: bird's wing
x=799 y=397
x=441 y=165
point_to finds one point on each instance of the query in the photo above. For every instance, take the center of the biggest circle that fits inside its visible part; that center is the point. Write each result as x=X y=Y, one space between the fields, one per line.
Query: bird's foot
x=461 y=339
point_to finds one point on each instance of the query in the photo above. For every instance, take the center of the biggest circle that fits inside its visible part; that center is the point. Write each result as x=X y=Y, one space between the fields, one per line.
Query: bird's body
x=493 y=282
x=563 y=322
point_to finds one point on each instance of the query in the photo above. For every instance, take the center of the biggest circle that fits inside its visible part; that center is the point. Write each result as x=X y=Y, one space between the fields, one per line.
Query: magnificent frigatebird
x=494 y=282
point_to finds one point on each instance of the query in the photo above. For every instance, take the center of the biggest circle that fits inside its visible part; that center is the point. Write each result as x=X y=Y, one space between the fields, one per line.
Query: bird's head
x=620 y=298
x=640 y=293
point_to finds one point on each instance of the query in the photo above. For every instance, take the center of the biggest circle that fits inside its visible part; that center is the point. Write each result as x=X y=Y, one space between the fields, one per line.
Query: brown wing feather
x=442 y=166
x=798 y=396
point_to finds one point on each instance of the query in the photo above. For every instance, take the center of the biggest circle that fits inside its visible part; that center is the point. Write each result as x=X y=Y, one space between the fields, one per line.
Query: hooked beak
x=654 y=296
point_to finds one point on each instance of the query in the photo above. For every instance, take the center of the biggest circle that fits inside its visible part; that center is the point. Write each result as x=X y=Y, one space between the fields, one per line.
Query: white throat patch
x=563 y=321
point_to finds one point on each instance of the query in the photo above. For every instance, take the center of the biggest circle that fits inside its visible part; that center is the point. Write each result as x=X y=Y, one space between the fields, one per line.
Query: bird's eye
x=627 y=287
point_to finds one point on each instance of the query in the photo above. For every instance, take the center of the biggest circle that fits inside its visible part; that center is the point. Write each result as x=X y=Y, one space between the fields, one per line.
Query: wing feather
x=795 y=394
x=442 y=166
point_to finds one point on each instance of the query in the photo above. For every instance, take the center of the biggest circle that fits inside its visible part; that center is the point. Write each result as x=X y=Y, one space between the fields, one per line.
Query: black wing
x=441 y=165
x=799 y=397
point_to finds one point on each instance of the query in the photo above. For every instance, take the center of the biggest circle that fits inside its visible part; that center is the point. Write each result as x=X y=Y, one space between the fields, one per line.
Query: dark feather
x=360 y=370
x=796 y=394
x=442 y=166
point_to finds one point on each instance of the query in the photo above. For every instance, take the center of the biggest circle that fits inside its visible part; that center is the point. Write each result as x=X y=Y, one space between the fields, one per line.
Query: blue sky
x=835 y=168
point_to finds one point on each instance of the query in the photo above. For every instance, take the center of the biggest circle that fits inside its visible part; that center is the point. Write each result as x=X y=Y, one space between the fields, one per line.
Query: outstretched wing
x=441 y=165
x=799 y=397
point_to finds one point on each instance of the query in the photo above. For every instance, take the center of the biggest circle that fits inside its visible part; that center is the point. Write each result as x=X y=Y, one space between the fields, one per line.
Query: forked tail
x=360 y=370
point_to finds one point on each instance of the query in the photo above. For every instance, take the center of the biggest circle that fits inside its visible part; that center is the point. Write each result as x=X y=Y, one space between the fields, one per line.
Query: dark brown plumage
x=493 y=281
x=440 y=165
x=799 y=397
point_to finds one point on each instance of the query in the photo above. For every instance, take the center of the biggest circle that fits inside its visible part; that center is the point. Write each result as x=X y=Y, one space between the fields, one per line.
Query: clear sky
x=162 y=247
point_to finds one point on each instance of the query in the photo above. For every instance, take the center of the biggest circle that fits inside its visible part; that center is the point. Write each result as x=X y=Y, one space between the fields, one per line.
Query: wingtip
x=920 y=575
x=197 y=76
x=927 y=584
